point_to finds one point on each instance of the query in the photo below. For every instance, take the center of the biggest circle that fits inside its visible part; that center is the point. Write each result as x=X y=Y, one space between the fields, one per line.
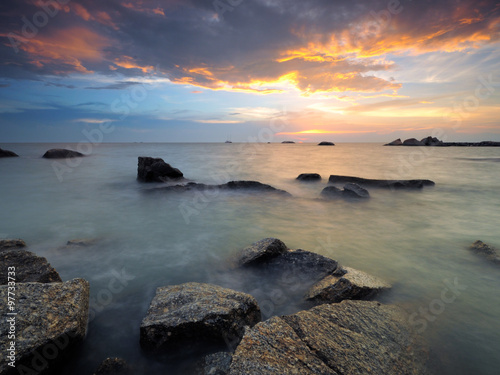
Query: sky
x=249 y=70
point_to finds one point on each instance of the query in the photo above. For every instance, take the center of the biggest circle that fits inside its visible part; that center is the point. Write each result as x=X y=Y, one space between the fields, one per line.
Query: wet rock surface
x=261 y=251
x=51 y=319
x=9 y=244
x=196 y=316
x=29 y=267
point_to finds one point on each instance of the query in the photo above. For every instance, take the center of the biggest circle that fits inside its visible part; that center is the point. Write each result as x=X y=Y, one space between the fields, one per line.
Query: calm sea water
x=416 y=239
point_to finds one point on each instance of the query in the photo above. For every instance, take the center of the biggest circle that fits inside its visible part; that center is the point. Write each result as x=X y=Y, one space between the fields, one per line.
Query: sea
x=145 y=238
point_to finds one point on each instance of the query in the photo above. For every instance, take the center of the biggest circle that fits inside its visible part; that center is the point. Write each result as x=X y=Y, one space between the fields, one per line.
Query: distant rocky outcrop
x=243 y=186
x=288 y=142
x=7 y=154
x=325 y=143
x=309 y=177
x=29 y=267
x=486 y=251
x=353 y=284
x=156 y=170
x=61 y=153
x=114 y=366
x=350 y=191
x=352 y=337
x=196 y=316
x=387 y=184
x=51 y=319
x=433 y=141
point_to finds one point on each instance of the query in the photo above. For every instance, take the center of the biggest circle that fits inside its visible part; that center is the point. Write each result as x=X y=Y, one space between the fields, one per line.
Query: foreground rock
x=114 y=366
x=352 y=285
x=51 y=319
x=28 y=267
x=61 y=153
x=195 y=317
x=324 y=143
x=9 y=244
x=353 y=337
x=261 y=251
x=237 y=186
x=7 y=154
x=386 y=184
x=309 y=177
x=156 y=170
x=485 y=251
x=350 y=191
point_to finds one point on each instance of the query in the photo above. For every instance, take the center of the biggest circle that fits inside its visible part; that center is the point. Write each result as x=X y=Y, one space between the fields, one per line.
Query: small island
x=288 y=142
x=433 y=141
x=325 y=143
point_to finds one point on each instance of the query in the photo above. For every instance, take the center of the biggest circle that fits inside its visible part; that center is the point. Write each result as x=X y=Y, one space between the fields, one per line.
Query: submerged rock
x=9 y=244
x=156 y=170
x=196 y=316
x=353 y=337
x=261 y=251
x=214 y=364
x=7 y=154
x=51 y=319
x=237 y=186
x=485 y=251
x=114 y=366
x=386 y=184
x=352 y=285
x=61 y=153
x=350 y=191
x=396 y=142
x=28 y=267
x=324 y=143
x=309 y=177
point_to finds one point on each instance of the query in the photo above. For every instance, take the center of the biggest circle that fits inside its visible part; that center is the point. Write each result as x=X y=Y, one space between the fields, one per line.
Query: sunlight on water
x=415 y=239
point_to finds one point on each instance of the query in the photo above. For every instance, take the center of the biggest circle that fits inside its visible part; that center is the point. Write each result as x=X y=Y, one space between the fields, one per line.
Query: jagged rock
x=396 y=142
x=273 y=347
x=355 y=191
x=114 y=366
x=51 y=319
x=412 y=142
x=350 y=191
x=386 y=184
x=156 y=170
x=261 y=251
x=324 y=143
x=28 y=267
x=196 y=316
x=485 y=251
x=7 y=154
x=309 y=177
x=10 y=244
x=61 y=153
x=353 y=284
x=214 y=364
x=431 y=141
x=352 y=337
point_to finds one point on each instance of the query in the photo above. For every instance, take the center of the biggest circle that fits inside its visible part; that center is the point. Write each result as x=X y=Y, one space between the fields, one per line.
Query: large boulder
x=352 y=285
x=273 y=347
x=261 y=251
x=412 y=142
x=309 y=177
x=385 y=184
x=486 y=251
x=61 y=153
x=396 y=142
x=325 y=143
x=51 y=319
x=352 y=337
x=194 y=317
x=7 y=154
x=9 y=244
x=28 y=267
x=156 y=170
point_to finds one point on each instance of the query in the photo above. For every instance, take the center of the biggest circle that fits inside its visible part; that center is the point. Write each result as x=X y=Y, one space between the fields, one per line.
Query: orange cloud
x=128 y=62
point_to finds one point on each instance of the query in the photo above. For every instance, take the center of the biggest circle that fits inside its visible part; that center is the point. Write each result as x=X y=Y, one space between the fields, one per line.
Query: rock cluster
x=433 y=141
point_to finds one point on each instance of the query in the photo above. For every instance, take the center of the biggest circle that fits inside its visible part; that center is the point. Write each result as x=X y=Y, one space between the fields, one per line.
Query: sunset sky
x=249 y=70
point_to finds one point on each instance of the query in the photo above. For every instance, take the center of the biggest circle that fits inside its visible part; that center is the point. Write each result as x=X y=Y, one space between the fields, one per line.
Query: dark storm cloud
x=317 y=45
